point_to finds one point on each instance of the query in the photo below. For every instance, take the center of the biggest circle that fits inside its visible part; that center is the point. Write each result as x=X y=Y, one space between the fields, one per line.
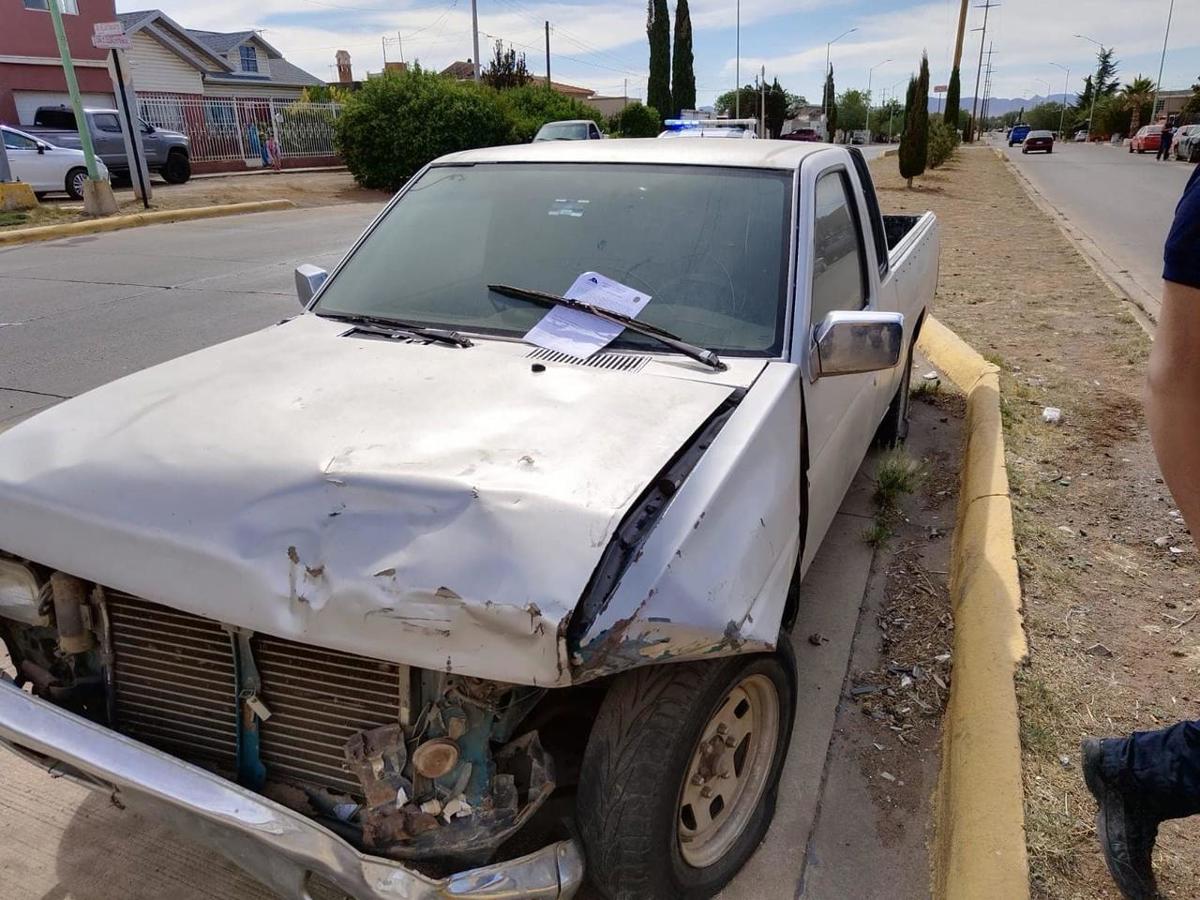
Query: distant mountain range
x=998 y=106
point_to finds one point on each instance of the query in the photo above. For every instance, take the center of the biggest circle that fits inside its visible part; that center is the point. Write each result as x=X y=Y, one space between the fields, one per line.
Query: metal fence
x=237 y=128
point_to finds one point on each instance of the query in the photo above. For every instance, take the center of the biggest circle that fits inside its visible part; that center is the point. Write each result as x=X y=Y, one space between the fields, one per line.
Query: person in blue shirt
x=1164 y=142
x=1143 y=780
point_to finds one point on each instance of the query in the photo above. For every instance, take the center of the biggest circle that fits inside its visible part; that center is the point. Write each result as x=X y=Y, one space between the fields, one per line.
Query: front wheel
x=178 y=168
x=74 y=183
x=681 y=772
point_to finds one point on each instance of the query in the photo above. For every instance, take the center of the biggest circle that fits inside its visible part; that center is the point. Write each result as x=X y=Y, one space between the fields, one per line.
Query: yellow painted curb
x=979 y=818
x=156 y=217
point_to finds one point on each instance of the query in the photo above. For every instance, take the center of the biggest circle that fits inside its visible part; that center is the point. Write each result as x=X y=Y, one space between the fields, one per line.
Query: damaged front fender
x=711 y=574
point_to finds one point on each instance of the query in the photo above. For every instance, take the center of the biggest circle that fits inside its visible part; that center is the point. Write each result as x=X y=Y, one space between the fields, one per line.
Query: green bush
x=530 y=107
x=634 y=121
x=400 y=121
x=943 y=141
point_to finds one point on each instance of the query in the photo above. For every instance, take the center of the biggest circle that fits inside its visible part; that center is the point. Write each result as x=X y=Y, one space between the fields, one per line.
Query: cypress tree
x=950 y=116
x=910 y=167
x=922 y=111
x=683 y=76
x=658 y=31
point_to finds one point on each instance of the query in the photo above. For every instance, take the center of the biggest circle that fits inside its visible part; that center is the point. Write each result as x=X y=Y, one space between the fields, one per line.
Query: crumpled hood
x=435 y=506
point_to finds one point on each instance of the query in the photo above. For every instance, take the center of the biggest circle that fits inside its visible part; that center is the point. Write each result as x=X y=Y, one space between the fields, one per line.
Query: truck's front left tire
x=178 y=168
x=681 y=773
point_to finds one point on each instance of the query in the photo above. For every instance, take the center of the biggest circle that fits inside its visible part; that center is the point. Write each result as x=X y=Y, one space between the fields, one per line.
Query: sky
x=601 y=44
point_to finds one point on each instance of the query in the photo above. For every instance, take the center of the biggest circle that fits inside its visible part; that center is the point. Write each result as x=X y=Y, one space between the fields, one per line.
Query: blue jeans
x=1160 y=769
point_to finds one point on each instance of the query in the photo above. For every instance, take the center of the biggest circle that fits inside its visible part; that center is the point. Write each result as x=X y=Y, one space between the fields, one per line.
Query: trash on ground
x=1052 y=415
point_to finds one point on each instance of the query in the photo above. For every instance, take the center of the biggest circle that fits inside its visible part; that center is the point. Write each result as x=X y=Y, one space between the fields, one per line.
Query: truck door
x=108 y=142
x=833 y=269
x=152 y=143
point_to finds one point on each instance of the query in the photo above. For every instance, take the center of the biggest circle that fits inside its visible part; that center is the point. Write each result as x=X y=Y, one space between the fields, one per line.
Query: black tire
x=73 y=183
x=1024 y=149
x=1131 y=148
x=893 y=430
x=178 y=168
x=637 y=758
x=1051 y=150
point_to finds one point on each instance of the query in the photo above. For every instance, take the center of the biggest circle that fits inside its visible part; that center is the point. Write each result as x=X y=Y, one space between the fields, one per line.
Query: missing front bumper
x=281 y=848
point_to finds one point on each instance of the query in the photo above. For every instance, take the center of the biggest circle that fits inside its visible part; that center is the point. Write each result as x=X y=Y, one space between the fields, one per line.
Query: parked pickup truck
x=167 y=152
x=350 y=598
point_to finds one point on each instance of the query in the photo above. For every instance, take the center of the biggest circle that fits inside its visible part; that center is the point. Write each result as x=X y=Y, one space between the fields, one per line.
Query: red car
x=801 y=134
x=1149 y=137
x=1038 y=141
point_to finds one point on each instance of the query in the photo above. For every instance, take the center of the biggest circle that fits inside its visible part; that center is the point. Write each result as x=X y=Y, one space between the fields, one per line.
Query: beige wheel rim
x=728 y=772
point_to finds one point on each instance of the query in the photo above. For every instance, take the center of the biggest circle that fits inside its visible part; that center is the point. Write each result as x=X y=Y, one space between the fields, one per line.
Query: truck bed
x=896 y=228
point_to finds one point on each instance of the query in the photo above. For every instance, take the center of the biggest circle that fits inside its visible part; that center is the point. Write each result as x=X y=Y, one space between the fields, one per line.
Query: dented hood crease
x=434 y=506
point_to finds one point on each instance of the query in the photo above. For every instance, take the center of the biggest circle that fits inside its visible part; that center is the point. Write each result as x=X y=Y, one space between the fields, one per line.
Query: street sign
x=108 y=28
x=940 y=88
x=112 y=41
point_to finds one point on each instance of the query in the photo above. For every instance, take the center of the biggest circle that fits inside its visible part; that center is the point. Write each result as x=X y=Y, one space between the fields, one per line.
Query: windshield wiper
x=386 y=327
x=700 y=354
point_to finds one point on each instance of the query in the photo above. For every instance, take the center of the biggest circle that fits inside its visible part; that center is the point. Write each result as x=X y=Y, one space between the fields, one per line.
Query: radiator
x=176 y=690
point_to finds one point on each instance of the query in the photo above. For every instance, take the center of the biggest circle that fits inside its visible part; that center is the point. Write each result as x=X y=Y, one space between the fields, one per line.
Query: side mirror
x=41 y=149
x=848 y=343
x=309 y=279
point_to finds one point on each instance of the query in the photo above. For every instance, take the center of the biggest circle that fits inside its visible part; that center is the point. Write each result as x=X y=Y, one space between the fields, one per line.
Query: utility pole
x=986 y=5
x=871 y=72
x=400 y=45
x=962 y=27
x=475 y=36
x=762 y=106
x=1162 y=60
x=829 y=99
x=737 y=66
x=96 y=200
x=1066 y=85
x=987 y=87
x=1095 y=85
x=547 y=53
x=383 y=43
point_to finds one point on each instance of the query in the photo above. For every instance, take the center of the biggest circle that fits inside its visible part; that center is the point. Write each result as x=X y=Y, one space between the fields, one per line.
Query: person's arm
x=1173 y=398
x=1173 y=388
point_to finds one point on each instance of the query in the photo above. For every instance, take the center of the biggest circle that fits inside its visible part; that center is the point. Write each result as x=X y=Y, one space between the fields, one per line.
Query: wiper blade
x=388 y=327
x=700 y=354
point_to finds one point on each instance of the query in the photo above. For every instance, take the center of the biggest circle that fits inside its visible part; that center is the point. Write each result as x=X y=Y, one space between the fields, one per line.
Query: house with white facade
x=229 y=91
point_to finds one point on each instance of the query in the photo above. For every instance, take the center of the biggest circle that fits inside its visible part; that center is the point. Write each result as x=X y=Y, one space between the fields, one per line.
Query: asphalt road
x=1122 y=203
x=79 y=312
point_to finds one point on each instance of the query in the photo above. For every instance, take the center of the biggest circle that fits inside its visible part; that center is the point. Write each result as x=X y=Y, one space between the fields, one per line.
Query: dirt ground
x=1109 y=573
x=305 y=189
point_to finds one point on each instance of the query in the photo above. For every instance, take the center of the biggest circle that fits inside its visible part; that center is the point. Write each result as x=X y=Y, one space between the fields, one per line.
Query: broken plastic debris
x=931 y=376
x=887 y=776
x=1175 y=550
x=905 y=681
x=433 y=807
x=1098 y=650
x=1052 y=415
x=1162 y=542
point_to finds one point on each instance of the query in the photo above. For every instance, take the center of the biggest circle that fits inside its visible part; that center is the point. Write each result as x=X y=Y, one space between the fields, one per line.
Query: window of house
x=839 y=275
x=249 y=58
x=69 y=7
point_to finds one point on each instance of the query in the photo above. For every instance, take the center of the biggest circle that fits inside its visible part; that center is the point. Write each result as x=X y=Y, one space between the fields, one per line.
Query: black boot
x=1126 y=831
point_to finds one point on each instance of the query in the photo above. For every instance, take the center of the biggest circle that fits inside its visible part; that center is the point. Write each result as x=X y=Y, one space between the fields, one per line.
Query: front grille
x=176 y=690
x=318 y=699
x=174 y=680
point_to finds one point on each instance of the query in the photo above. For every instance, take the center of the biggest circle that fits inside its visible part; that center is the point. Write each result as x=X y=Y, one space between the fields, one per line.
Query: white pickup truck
x=371 y=597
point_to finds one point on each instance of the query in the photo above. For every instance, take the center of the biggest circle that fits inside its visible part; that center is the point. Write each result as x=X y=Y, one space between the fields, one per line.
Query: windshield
x=709 y=245
x=563 y=131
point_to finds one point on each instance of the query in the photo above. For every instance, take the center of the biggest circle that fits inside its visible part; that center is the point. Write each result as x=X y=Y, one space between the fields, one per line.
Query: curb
x=157 y=217
x=979 y=818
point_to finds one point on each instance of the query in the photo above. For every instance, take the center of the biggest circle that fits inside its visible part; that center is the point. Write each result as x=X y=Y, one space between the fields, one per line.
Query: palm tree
x=1135 y=95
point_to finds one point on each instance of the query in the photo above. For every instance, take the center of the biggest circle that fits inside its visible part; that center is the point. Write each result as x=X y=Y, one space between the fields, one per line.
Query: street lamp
x=829 y=44
x=892 y=108
x=870 y=72
x=1066 y=84
x=1095 y=87
x=1161 y=62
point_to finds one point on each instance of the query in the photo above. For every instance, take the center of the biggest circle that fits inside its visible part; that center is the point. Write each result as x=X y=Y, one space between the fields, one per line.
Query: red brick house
x=31 y=73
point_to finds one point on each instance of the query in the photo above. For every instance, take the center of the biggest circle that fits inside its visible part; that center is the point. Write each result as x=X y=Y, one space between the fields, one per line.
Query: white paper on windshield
x=581 y=334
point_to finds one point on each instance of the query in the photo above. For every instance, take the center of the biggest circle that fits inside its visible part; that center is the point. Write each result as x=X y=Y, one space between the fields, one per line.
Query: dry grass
x=1088 y=503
